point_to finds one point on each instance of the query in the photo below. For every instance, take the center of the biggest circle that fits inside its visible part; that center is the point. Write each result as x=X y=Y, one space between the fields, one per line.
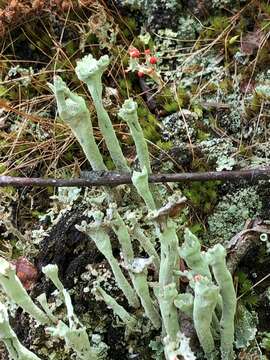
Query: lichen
x=231 y=213
x=157 y=13
x=179 y=127
x=218 y=153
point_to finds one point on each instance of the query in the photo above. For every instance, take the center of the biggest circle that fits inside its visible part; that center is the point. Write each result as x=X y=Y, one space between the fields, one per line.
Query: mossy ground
x=212 y=113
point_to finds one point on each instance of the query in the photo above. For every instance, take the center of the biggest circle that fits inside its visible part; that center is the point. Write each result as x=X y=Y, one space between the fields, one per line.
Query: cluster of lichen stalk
x=212 y=302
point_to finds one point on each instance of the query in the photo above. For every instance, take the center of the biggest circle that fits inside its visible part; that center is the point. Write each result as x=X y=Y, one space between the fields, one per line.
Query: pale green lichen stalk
x=15 y=349
x=224 y=307
x=51 y=272
x=205 y=300
x=137 y=267
x=140 y=181
x=103 y=243
x=190 y=251
x=169 y=256
x=166 y=296
x=128 y=113
x=89 y=70
x=75 y=335
x=42 y=299
x=76 y=339
x=184 y=302
x=139 y=270
x=73 y=110
x=147 y=245
x=127 y=319
x=217 y=259
x=195 y=259
x=121 y=231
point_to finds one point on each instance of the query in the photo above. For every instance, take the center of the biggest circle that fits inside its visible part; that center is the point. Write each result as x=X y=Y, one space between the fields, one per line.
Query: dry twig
x=97 y=178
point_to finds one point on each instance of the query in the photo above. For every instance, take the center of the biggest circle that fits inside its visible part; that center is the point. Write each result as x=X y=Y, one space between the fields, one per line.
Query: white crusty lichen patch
x=232 y=212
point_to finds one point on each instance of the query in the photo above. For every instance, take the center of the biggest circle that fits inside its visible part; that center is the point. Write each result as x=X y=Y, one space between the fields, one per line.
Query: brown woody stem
x=101 y=178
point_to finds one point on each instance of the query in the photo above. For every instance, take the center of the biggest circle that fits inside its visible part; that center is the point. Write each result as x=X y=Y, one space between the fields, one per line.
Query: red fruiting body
x=147 y=52
x=26 y=272
x=153 y=60
x=134 y=53
x=140 y=74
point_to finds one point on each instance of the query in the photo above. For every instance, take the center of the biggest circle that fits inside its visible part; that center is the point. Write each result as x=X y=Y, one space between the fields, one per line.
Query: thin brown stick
x=96 y=178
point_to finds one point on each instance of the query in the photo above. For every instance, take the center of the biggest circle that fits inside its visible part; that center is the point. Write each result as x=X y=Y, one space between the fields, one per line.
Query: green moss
x=211 y=87
x=164 y=145
x=226 y=86
x=150 y=133
x=3 y=168
x=197 y=109
x=125 y=62
x=8 y=191
x=171 y=107
x=128 y=27
x=217 y=24
x=109 y=163
x=50 y=190
x=137 y=42
x=265 y=343
x=125 y=86
x=131 y=23
x=183 y=97
x=202 y=195
x=245 y=151
x=36 y=214
x=196 y=228
x=69 y=155
x=202 y=136
x=171 y=102
x=91 y=39
x=71 y=47
x=23 y=148
x=245 y=289
x=148 y=123
x=3 y=91
x=254 y=106
x=265 y=7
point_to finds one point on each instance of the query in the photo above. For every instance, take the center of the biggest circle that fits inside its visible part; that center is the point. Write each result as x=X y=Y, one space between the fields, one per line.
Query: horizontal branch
x=97 y=178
